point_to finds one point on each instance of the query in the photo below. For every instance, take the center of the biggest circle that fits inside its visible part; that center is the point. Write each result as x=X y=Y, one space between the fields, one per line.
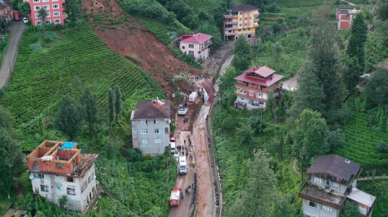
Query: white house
x=196 y=45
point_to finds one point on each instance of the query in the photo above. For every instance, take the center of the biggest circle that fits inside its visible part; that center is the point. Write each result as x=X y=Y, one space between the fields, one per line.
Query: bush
x=36 y=47
x=273 y=8
x=382 y=147
x=49 y=36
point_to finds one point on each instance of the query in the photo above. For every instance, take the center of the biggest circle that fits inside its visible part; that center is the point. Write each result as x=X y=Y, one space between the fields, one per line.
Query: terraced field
x=41 y=78
x=361 y=141
x=203 y=5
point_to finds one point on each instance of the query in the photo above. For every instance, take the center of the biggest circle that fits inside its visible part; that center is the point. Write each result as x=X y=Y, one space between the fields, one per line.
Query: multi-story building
x=151 y=126
x=59 y=169
x=241 y=20
x=333 y=181
x=345 y=18
x=55 y=11
x=254 y=85
x=196 y=45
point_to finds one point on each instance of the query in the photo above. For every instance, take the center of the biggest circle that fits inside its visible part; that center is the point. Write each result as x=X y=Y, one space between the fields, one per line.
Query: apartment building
x=345 y=17
x=55 y=11
x=241 y=20
x=196 y=45
x=254 y=85
x=59 y=169
x=151 y=126
x=332 y=183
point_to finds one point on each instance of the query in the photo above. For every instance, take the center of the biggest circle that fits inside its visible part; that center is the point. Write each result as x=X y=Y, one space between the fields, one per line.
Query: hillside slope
x=126 y=37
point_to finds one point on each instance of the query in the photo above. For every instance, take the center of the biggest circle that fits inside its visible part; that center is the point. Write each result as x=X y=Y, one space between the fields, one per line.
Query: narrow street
x=204 y=198
x=9 y=58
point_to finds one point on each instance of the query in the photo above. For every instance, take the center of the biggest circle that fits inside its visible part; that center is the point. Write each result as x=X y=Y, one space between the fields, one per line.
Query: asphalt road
x=9 y=58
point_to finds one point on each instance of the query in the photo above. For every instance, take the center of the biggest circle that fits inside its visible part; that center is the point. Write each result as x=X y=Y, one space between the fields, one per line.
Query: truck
x=183 y=107
x=193 y=96
x=182 y=165
x=175 y=196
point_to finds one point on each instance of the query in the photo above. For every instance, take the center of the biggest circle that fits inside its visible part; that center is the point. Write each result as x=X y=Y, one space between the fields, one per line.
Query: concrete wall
x=338 y=188
x=318 y=211
x=150 y=125
x=197 y=53
x=57 y=188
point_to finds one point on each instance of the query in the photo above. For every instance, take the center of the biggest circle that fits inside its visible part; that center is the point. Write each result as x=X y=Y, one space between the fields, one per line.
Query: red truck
x=175 y=196
x=16 y=16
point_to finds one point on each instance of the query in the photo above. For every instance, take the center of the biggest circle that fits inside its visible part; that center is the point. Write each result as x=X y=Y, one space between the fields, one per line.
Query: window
x=246 y=18
x=166 y=131
x=240 y=25
x=60 y=165
x=158 y=141
x=36 y=1
x=48 y=15
x=317 y=180
x=46 y=7
x=156 y=121
x=45 y=0
x=191 y=46
x=91 y=177
x=55 y=6
x=36 y=15
x=312 y=204
x=251 y=93
x=327 y=208
x=47 y=21
x=144 y=131
x=191 y=53
x=38 y=175
x=44 y=188
x=38 y=22
x=69 y=179
x=143 y=122
x=240 y=19
x=144 y=141
x=36 y=8
x=183 y=47
x=71 y=191
x=56 y=14
x=57 y=21
x=156 y=131
x=259 y=95
x=84 y=186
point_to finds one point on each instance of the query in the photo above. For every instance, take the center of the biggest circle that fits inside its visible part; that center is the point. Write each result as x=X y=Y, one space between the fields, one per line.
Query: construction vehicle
x=175 y=196
x=183 y=107
x=193 y=96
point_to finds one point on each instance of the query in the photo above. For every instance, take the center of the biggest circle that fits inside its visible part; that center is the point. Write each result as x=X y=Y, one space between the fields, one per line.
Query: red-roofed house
x=253 y=87
x=196 y=45
x=345 y=17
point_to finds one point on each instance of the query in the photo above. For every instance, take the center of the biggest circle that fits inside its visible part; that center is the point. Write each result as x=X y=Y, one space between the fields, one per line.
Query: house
x=151 y=126
x=253 y=87
x=333 y=181
x=59 y=169
x=55 y=11
x=241 y=20
x=196 y=45
x=345 y=17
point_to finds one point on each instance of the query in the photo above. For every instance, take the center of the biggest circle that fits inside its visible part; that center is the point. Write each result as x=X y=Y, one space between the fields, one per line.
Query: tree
x=382 y=10
x=89 y=101
x=227 y=81
x=111 y=106
x=310 y=135
x=73 y=9
x=382 y=147
x=355 y=52
x=10 y=152
x=350 y=210
x=257 y=125
x=245 y=135
x=42 y=13
x=336 y=139
x=117 y=101
x=254 y=199
x=70 y=117
x=242 y=54
x=310 y=92
x=376 y=90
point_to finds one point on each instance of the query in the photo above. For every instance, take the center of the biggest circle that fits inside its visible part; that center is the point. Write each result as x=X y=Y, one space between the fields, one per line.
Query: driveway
x=9 y=58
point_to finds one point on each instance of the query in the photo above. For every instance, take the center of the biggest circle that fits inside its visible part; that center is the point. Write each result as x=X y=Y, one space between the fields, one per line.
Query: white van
x=193 y=96
x=182 y=165
x=172 y=147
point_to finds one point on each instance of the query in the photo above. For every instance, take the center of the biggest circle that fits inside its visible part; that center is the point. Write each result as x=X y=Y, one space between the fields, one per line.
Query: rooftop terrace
x=314 y=193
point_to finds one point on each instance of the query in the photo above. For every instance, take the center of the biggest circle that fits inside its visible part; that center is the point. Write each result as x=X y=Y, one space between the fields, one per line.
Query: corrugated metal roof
x=362 y=197
x=244 y=8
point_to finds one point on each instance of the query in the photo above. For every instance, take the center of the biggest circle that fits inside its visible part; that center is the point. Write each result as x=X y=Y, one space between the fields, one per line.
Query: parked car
x=175 y=196
x=25 y=20
x=176 y=155
x=16 y=16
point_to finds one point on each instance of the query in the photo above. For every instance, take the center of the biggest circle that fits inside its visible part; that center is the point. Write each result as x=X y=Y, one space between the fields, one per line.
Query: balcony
x=256 y=20
x=322 y=196
x=229 y=16
x=256 y=14
x=229 y=33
